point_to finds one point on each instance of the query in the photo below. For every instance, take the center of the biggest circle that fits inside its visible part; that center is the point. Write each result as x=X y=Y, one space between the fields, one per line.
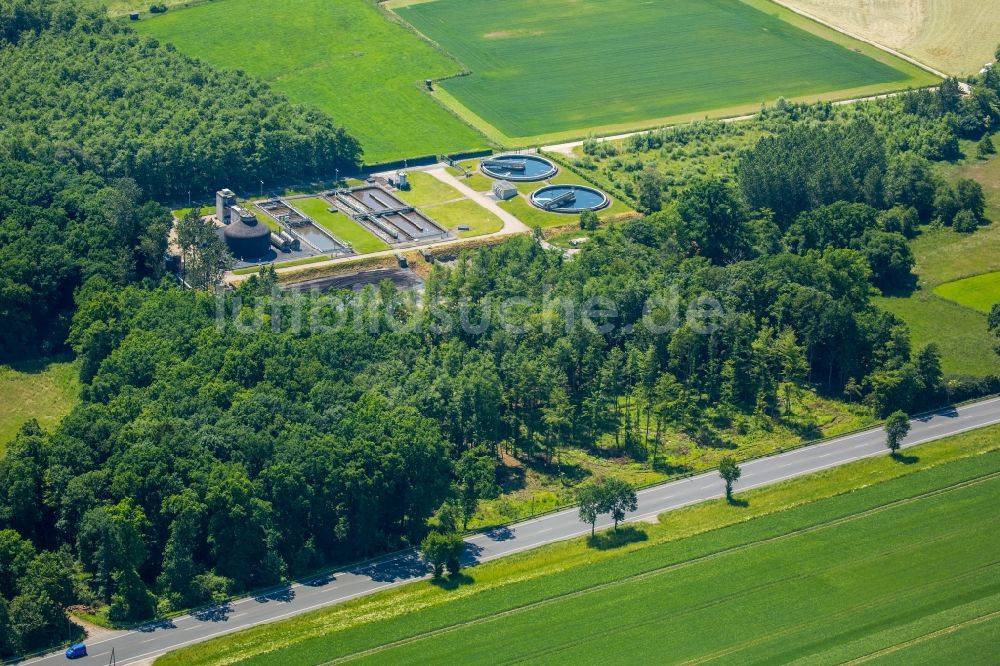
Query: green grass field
x=449 y=207
x=542 y=67
x=476 y=180
x=44 y=390
x=343 y=58
x=872 y=556
x=980 y=293
x=426 y=190
x=341 y=226
x=465 y=213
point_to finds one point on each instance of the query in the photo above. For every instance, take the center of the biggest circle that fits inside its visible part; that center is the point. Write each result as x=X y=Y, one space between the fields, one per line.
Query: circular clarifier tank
x=519 y=168
x=569 y=198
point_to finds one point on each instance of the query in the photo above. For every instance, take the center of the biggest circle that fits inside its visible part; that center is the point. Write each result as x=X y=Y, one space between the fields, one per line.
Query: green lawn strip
x=569 y=567
x=477 y=181
x=465 y=213
x=426 y=190
x=282 y=264
x=345 y=59
x=943 y=255
x=45 y=390
x=522 y=209
x=980 y=293
x=600 y=65
x=341 y=226
x=181 y=213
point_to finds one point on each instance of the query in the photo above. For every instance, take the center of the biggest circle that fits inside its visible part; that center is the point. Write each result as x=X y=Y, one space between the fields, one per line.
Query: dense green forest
x=228 y=442
x=97 y=123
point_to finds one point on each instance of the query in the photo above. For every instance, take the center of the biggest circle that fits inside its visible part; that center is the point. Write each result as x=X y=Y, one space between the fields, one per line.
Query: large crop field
x=955 y=36
x=541 y=68
x=344 y=58
x=873 y=559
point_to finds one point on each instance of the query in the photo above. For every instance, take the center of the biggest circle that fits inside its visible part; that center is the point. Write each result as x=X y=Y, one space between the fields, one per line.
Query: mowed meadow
x=343 y=58
x=546 y=66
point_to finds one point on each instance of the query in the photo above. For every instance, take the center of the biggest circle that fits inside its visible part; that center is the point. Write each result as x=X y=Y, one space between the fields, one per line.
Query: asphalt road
x=145 y=644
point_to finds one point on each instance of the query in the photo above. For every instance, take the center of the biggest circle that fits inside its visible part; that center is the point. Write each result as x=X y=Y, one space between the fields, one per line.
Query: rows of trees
x=95 y=124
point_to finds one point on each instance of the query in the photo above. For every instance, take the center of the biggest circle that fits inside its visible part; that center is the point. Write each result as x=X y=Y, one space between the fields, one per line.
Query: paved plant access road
x=144 y=645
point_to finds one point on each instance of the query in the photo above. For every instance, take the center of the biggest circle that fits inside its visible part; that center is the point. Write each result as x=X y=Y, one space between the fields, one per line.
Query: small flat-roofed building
x=504 y=190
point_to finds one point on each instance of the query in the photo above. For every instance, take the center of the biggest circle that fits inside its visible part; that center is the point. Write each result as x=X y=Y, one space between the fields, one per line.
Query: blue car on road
x=76 y=651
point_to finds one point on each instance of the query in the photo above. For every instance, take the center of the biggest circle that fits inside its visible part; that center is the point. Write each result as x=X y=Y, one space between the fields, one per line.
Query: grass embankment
x=341 y=226
x=448 y=207
x=344 y=58
x=546 y=68
x=250 y=270
x=45 y=390
x=943 y=256
x=875 y=555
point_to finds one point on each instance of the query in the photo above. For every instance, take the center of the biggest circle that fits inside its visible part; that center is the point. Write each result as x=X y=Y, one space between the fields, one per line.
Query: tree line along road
x=152 y=640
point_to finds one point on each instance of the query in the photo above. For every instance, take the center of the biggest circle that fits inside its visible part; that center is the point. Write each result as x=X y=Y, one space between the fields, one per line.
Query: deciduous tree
x=897 y=426
x=730 y=472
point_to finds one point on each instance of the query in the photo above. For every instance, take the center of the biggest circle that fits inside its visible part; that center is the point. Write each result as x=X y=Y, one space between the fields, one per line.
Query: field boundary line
x=898 y=596
x=902 y=594
x=923 y=639
x=882 y=47
x=677 y=565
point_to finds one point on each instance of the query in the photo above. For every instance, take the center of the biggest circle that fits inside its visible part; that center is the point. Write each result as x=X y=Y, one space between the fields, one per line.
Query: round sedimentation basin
x=518 y=168
x=569 y=198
